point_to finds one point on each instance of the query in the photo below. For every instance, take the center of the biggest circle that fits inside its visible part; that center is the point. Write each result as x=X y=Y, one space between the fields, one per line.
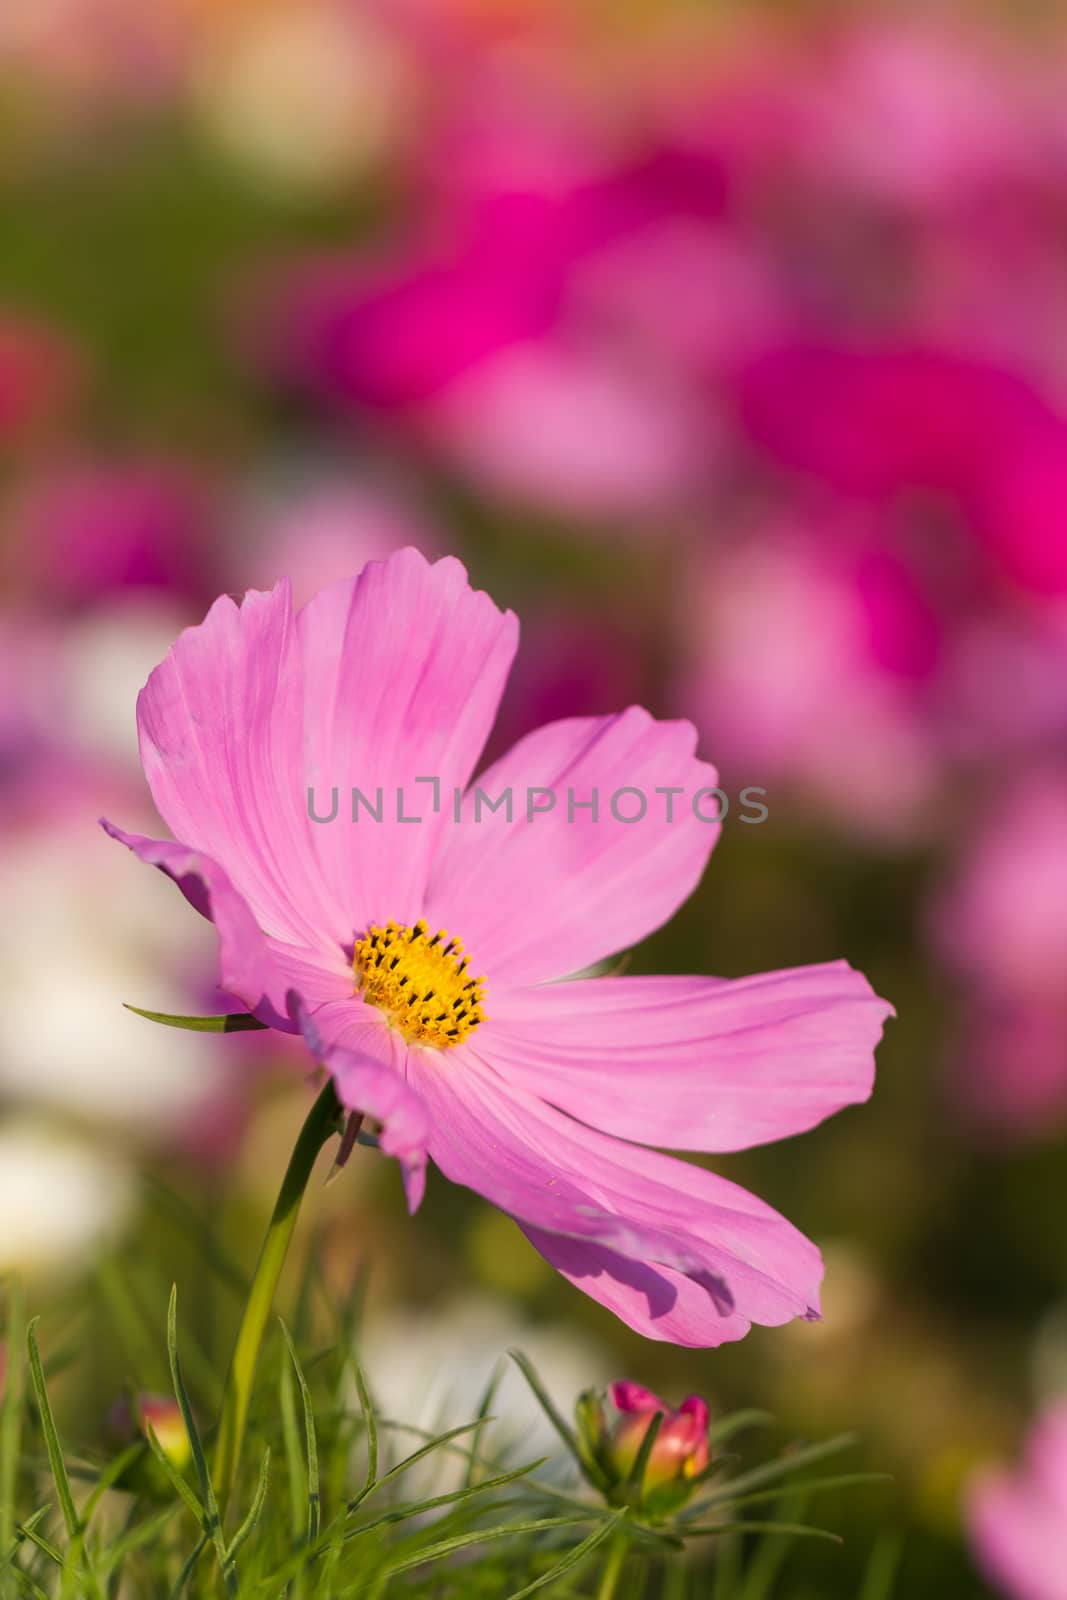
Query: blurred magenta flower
x=518 y=376
x=82 y=529
x=877 y=422
x=1018 y=1520
x=520 y=1087
x=613 y=1428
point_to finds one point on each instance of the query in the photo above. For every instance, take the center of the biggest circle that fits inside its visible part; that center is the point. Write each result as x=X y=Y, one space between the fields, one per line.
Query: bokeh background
x=728 y=344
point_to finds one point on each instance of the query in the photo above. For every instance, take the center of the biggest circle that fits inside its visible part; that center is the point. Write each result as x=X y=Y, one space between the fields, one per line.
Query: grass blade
x=882 y=1571
x=370 y=1422
x=296 y=1471
x=11 y=1410
x=736 y=1422
x=484 y=1408
x=452 y=1497
x=51 y=1435
x=212 y=1521
x=255 y=1510
x=189 y=1567
x=409 y=1461
x=467 y=1541
x=529 y=1372
x=313 y=1496
x=572 y=1558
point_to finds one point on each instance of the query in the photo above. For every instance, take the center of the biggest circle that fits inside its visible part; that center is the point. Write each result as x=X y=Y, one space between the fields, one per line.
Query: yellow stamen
x=420 y=981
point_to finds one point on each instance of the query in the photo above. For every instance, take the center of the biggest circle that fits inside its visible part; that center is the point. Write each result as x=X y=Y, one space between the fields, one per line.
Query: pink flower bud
x=680 y=1449
x=612 y=1430
x=162 y=1415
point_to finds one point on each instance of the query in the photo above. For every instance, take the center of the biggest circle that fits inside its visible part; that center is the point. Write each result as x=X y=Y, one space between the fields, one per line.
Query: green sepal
x=233 y=1022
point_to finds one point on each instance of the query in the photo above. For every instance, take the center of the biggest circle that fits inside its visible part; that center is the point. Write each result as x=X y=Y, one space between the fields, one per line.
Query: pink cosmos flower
x=537 y=1094
x=1018 y=1521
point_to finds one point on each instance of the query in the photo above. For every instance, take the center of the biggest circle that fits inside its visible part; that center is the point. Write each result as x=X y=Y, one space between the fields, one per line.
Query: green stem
x=322 y=1120
x=609 y=1578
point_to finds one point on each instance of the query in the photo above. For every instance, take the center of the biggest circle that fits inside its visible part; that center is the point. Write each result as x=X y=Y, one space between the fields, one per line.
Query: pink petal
x=1019 y=1540
x=626 y=1396
x=694 y=1063
x=541 y=898
x=255 y=969
x=221 y=745
x=675 y=1251
x=404 y=667
x=366 y=1085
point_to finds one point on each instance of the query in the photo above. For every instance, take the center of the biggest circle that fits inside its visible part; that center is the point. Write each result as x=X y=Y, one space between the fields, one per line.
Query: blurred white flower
x=58 y=1198
x=73 y=947
x=433 y=1373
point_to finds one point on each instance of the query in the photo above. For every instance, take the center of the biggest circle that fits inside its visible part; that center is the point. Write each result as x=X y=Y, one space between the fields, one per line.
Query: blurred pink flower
x=810 y=661
x=568 y=425
x=1000 y=928
x=320 y=525
x=82 y=529
x=522 y=1088
x=1018 y=1520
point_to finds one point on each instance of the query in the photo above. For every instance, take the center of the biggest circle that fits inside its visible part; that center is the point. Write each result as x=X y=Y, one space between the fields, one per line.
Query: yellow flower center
x=420 y=981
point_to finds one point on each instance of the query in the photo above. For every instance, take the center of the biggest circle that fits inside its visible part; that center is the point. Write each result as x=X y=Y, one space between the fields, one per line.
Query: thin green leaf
x=313 y=1496
x=571 y=1559
x=51 y=1435
x=110 y=1475
x=882 y=1570
x=142 y=1532
x=636 y=1475
x=784 y=1467
x=736 y=1422
x=254 y=1512
x=296 y=1471
x=454 y=1497
x=11 y=1410
x=28 y=1530
x=810 y=1486
x=466 y=1541
x=189 y=1567
x=370 y=1423
x=529 y=1372
x=236 y=1022
x=178 y=1482
x=212 y=1521
x=484 y=1407
x=409 y=1461
x=792 y=1530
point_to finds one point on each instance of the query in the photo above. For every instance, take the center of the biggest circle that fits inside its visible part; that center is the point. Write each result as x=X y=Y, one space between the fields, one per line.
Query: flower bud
x=133 y=1416
x=612 y=1430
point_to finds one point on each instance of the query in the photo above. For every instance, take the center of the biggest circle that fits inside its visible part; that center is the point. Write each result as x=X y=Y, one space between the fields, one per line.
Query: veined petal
x=546 y=894
x=694 y=1063
x=365 y=1084
x=677 y=1252
x=257 y=970
x=404 y=667
x=220 y=724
